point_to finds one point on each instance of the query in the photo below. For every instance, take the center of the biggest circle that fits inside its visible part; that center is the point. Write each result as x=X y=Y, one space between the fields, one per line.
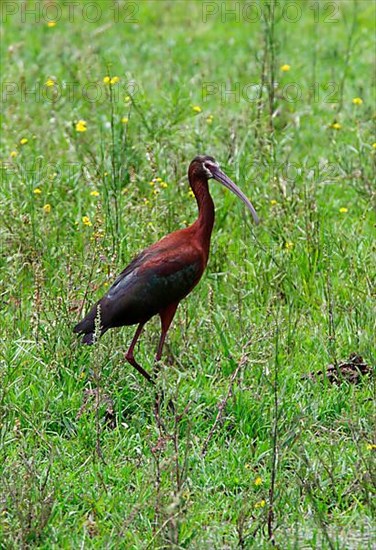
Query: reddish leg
x=130 y=357
x=166 y=316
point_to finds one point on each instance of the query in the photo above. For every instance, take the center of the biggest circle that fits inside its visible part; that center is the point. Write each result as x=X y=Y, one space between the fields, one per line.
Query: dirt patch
x=353 y=370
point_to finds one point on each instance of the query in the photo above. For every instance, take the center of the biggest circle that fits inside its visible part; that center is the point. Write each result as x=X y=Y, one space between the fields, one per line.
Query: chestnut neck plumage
x=204 y=223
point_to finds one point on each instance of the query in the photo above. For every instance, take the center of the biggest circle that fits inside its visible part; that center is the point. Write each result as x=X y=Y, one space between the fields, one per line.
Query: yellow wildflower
x=209 y=119
x=111 y=80
x=260 y=504
x=191 y=193
x=258 y=481
x=156 y=191
x=374 y=145
x=47 y=208
x=94 y=193
x=289 y=245
x=273 y=202
x=86 y=221
x=197 y=108
x=13 y=154
x=371 y=447
x=81 y=126
x=247 y=466
x=336 y=126
x=23 y=141
x=163 y=184
x=37 y=191
x=357 y=101
x=146 y=201
x=343 y=210
x=151 y=183
x=158 y=180
x=125 y=120
x=50 y=82
x=51 y=24
x=127 y=99
x=285 y=68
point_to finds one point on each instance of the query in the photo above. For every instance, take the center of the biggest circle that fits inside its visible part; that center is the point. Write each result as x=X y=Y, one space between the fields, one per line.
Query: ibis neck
x=205 y=205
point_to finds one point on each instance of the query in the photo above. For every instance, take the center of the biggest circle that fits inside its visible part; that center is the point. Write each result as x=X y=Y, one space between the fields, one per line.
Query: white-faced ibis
x=163 y=274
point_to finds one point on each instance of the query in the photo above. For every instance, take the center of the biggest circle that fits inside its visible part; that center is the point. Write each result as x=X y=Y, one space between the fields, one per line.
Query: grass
x=289 y=461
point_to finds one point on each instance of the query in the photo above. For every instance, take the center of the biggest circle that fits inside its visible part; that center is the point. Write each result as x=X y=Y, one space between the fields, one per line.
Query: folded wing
x=159 y=276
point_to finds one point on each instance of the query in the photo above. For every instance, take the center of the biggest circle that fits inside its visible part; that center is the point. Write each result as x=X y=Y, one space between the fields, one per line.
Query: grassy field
x=104 y=107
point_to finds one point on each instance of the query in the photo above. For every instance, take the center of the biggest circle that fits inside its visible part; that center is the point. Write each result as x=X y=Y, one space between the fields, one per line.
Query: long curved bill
x=225 y=180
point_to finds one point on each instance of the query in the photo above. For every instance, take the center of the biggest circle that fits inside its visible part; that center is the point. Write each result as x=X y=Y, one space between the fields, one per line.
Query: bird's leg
x=130 y=357
x=166 y=316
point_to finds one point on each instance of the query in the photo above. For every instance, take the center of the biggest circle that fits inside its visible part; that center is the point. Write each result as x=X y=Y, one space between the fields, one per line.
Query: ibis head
x=204 y=167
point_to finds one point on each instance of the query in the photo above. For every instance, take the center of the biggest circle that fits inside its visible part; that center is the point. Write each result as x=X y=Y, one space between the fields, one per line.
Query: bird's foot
x=132 y=361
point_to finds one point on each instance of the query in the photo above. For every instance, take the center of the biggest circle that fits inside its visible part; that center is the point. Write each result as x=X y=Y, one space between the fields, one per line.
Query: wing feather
x=162 y=274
